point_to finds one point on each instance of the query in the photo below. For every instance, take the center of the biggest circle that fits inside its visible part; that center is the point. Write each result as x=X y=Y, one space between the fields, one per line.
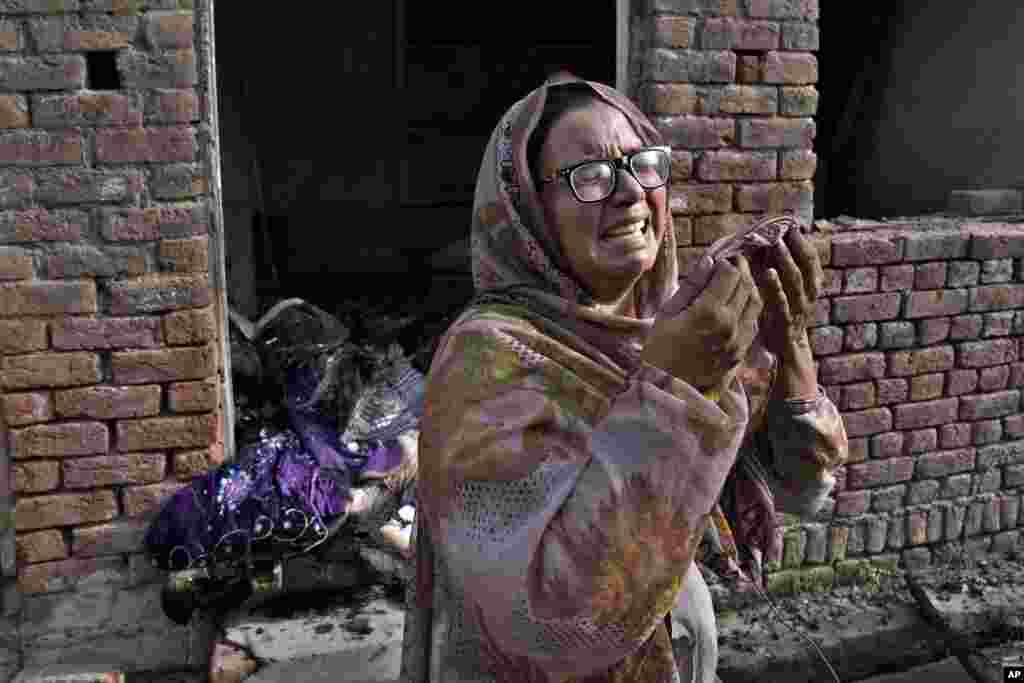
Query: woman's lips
x=627 y=230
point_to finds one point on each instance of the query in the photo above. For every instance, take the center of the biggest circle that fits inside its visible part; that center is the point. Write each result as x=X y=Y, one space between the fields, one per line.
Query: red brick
x=136 y=145
x=683 y=227
x=801 y=100
x=85 y=109
x=46 y=298
x=53 y=72
x=879 y=473
x=860 y=280
x=41 y=546
x=1013 y=426
x=91 y=32
x=925 y=387
x=1017 y=375
x=40 y=148
x=690 y=66
x=833 y=283
x=74 y=261
x=27 y=408
x=1000 y=455
x=190 y=327
x=131 y=224
x=933 y=330
x=858 y=396
x=986 y=353
x=169 y=29
x=682 y=165
x=834 y=393
x=673 y=98
x=996 y=243
x=49 y=370
x=784 y=9
x=52 y=577
x=158 y=293
x=917 y=527
x=865 y=249
x=983 y=406
x=695 y=132
x=88 y=185
x=921 y=441
x=822 y=312
x=122 y=536
x=36 y=477
x=190 y=255
x=867 y=422
x=740 y=99
x=190 y=464
x=887 y=445
x=192 y=431
x=866 y=307
x=926 y=413
x=995 y=297
x=851 y=368
x=965 y=327
x=775 y=197
x=800 y=36
x=40 y=225
x=112 y=470
x=164 y=365
x=727 y=33
x=996 y=270
x=945 y=463
x=936 y=302
x=826 y=340
x=192 y=397
x=673 y=31
x=897 y=278
x=922 y=361
x=727 y=165
x=797 y=164
x=888 y=498
x=994 y=379
x=700 y=199
x=777 y=132
x=60 y=440
x=962 y=382
x=998 y=324
x=16 y=264
x=105 y=333
x=851 y=503
x=21 y=336
x=107 y=402
x=789 y=68
x=13 y=112
x=892 y=391
x=152 y=70
x=955 y=435
x=64 y=509
x=986 y=431
x=178 y=181
x=962 y=273
x=142 y=501
x=932 y=276
x=173 y=106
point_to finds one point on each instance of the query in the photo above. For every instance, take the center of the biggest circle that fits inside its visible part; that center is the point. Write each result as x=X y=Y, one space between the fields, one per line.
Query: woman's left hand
x=791 y=279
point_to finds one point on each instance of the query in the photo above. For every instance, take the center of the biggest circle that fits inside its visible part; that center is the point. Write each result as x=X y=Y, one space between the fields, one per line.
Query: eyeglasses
x=596 y=180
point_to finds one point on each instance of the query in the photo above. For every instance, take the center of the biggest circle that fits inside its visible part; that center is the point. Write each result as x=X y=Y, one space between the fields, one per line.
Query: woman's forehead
x=598 y=130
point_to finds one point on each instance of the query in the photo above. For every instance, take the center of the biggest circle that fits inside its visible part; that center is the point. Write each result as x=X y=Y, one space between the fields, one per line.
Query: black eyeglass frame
x=624 y=162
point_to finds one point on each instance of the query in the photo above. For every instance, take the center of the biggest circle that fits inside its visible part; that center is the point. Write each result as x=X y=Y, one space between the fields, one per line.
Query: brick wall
x=918 y=343
x=110 y=309
x=730 y=83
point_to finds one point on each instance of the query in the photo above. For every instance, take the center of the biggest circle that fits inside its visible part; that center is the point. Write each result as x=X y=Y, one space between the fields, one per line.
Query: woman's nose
x=627 y=190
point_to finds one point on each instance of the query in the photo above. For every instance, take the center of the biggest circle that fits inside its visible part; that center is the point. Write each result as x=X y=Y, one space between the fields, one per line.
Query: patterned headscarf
x=517 y=258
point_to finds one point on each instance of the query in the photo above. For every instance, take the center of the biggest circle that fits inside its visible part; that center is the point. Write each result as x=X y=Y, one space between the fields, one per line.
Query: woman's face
x=608 y=244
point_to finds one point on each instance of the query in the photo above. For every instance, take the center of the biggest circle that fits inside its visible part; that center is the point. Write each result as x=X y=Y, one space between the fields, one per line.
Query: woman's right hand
x=704 y=343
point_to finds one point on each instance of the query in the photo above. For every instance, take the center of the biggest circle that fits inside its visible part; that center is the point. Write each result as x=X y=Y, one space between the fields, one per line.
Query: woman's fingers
x=777 y=293
x=791 y=276
x=806 y=257
x=745 y=287
x=748 y=319
x=720 y=289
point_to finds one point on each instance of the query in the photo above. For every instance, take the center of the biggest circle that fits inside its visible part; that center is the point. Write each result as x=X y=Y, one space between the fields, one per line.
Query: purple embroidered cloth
x=287 y=488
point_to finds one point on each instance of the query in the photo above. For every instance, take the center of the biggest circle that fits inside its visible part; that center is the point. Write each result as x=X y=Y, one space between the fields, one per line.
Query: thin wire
x=796 y=630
